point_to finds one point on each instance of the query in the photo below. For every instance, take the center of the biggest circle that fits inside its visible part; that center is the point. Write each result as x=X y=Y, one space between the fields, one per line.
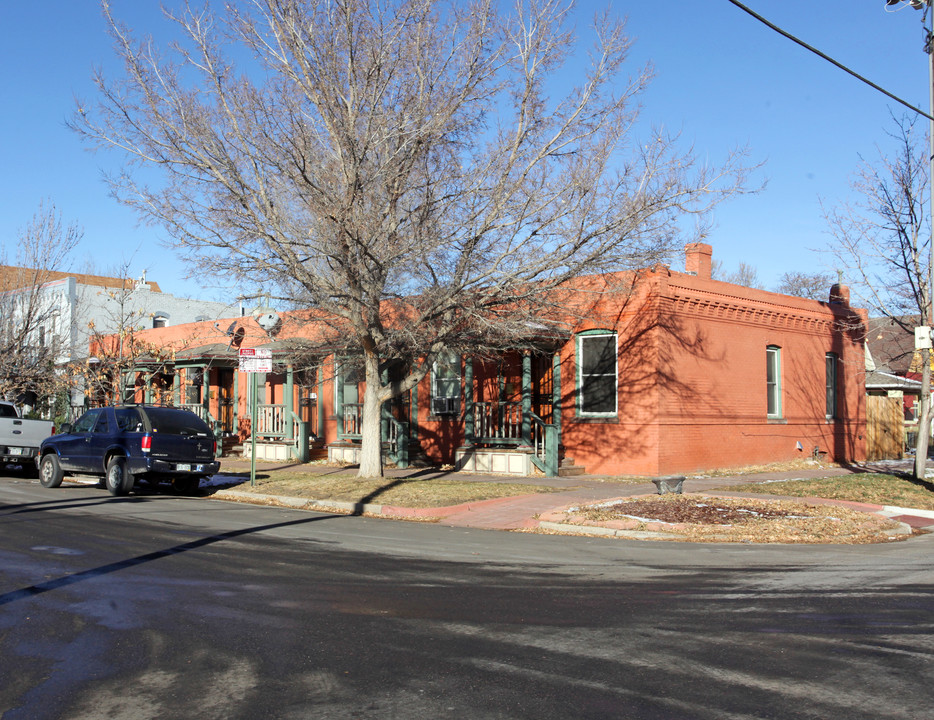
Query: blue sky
x=722 y=80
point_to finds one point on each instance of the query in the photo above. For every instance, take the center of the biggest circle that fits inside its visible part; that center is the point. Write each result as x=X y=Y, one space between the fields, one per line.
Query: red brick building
x=657 y=373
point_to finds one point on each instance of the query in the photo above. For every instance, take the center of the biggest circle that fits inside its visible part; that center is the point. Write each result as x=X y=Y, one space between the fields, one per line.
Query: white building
x=77 y=306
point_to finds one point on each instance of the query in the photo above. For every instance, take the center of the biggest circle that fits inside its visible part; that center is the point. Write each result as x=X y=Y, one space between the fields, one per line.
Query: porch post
x=290 y=405
x=469 y=408
x=206 y=390
x=236 y=402
x=526 y=399
x=176 y=387
x=319 y=401
x=339 y=410
x=556 y=395
x=413 y=414
x=384 y=410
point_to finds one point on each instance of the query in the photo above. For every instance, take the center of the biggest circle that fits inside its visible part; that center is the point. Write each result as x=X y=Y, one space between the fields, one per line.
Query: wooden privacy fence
x=885 y=428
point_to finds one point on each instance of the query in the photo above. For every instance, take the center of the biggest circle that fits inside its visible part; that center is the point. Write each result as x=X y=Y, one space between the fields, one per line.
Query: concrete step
x=569 y=469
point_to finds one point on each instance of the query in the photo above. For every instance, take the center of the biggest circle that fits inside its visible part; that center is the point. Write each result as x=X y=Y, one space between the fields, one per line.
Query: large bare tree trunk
x=371 y=450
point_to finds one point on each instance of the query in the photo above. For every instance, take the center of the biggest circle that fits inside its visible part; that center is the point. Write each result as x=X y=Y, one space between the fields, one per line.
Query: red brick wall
x=692 y=383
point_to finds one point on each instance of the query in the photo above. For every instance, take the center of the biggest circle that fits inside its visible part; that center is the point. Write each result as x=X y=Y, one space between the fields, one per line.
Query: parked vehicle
x=135 y=442
x=20 y=438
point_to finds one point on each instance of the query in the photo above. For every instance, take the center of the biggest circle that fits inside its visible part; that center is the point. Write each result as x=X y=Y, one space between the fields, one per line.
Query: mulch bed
x=703 y=518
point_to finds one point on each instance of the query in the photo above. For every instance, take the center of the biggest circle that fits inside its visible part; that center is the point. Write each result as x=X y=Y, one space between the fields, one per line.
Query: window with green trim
x=831 y=363
x=597 y=375
x=773 y=380
x=446 y=384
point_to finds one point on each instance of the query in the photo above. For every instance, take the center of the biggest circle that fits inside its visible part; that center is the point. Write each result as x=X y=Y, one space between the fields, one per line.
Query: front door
x=225 y=399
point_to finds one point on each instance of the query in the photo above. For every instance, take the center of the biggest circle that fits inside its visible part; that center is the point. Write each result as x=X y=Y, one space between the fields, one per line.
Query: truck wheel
x=119 y=480
x=50 y=471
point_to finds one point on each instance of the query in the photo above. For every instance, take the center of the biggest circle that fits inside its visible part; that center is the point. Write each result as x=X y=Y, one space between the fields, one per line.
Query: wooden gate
x=885 y=428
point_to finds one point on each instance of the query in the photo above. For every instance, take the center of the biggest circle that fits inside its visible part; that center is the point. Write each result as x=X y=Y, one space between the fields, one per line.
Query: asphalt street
x=153 y=606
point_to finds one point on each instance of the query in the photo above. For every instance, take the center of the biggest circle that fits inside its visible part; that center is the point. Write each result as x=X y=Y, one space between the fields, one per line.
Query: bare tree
x=423 y=173
x=746 y=275
x=34 y=330
x=882 y=242
x=114 y=342
x=814 y=286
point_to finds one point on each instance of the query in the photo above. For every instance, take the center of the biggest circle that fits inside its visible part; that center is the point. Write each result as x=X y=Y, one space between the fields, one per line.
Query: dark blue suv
x=123 y=444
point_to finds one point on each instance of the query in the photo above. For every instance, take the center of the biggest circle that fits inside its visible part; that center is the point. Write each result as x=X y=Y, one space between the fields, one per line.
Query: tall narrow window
x=597 y=375
x=773 y=380
x=446 y=384
x=831 y=363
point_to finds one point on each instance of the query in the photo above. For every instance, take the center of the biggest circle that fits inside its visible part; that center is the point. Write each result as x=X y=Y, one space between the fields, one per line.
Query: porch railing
x=544 y=446
x=498 y=422
x=272 y=421
x=352 y=415
x=199 y=410
x=397 y=445
x=205 y=414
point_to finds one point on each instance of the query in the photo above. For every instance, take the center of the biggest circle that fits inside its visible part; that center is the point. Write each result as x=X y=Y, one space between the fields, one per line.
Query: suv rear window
x=128 y=419
x=176 y=422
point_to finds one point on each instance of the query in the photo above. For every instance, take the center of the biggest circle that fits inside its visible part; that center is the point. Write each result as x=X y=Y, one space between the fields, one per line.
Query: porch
x=515 y=437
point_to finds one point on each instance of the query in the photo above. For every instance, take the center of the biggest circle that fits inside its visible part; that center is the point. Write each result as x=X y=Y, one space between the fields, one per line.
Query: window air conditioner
x=444 y=405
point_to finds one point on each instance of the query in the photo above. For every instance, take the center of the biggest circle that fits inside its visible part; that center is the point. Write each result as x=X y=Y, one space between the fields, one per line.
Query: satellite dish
x=267 y=318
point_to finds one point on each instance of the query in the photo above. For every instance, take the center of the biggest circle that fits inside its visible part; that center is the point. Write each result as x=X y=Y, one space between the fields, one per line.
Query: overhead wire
x=829 y=59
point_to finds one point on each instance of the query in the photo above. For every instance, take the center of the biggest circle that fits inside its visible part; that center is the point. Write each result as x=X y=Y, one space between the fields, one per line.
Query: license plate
x=183 y=467
x=16 y=451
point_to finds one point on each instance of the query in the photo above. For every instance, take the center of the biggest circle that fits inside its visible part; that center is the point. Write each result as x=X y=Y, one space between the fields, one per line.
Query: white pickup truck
x=20 y=438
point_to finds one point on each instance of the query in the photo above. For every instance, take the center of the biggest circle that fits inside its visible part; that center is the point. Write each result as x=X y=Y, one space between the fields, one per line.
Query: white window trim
x=580 y=375
x=773 y=354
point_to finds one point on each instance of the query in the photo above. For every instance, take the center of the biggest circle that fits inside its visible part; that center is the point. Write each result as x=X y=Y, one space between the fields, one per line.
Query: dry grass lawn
x=873 y=488
x=343 y=485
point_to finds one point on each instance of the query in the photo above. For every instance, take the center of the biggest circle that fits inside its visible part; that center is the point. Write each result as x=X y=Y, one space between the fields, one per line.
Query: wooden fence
x=885 y=428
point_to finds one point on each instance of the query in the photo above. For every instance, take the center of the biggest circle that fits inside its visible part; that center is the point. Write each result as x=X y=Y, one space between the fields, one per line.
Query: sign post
x=254 y=361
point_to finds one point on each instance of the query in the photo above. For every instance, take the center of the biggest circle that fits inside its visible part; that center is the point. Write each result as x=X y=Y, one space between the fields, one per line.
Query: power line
x=829 y=59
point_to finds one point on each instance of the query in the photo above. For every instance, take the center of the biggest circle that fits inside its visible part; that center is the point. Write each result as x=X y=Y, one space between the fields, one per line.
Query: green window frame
x=597 y=374
x=832 y=375
x=446 y=384
x=773 y=381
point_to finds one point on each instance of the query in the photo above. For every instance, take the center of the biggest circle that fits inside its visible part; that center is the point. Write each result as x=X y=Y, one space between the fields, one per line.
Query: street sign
x=255 y=360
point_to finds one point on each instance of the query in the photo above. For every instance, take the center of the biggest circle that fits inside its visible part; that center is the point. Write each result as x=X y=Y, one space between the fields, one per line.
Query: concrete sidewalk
x=516 y=513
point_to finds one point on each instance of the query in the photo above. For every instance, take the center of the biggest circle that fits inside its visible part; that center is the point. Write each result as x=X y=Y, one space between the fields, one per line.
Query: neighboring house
x=76 y=303
x=893 y=386
x=892 y=363
x=671 y=372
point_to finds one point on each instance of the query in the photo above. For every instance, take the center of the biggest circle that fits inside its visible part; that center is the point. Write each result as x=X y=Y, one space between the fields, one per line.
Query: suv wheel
x=119 y=480
x=50 y=471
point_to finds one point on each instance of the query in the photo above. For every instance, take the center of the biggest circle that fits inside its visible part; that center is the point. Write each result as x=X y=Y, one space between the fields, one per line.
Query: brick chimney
x=839 y=294
x=697 y=259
